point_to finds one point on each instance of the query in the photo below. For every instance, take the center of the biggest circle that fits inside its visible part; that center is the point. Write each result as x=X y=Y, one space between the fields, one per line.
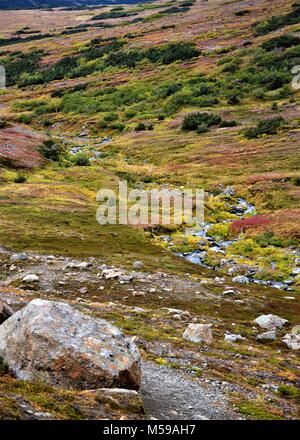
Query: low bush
x=51 y=150
x=20 y=178
x=195 y=120
x=82 y=160
x=265 y=127
x=277 y=22
x=282 y=42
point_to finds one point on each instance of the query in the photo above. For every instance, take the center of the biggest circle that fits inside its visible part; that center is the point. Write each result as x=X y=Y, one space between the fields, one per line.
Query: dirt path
x=168 y=394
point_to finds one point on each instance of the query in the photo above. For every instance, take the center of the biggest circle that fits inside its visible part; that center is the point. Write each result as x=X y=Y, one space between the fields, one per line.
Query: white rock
x=31 y=278
x=229 y=292
x=231 y=337
x=292 y=340
x=19 y=257
x=84 y=265
x=198 y=417
x=138 y=264
x=183 y=313
x=270 y=322
x=198 y=333
x=109 y=274
x=241 y=279
x=267 y=336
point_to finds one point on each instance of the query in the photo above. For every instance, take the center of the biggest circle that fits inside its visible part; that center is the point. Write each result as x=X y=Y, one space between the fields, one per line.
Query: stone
x=229 y=191
x=292 y=341
x=231 y=337
x=198 y=333
x=270 y=322
x=138 y=264
x=109 y=274
x=84 y=265
x=182 y=313
x=5 y=312
x=267 y=336
x=229 y=292
x=296 y=271
x=199 y=417
x=19 y=257
x=52 y=342
x=241 y=279
x=31 y=278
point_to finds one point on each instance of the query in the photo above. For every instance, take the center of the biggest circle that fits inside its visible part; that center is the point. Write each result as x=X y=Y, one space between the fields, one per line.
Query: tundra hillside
x=190 y=94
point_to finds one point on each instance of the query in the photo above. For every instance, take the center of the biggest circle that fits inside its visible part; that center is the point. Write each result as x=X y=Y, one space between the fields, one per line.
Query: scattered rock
x=5 y=312
x=292 y=340
x=198 y=417
x=231 y=337
x=84 y=265
x=54 y=343
x=19 y=257
x=109 y=274
x=198 y=333
x=267 y=336
x=229 y=292
x=184 y=314
x=31 y=278
x=138 y=264
x=241 y=279
x=270 y=322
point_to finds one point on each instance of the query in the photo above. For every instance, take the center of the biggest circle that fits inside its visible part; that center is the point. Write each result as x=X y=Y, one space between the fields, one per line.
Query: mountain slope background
x=184 y=94
x=35 y=4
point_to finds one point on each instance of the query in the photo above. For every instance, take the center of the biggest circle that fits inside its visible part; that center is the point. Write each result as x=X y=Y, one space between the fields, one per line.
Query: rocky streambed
x=207 y=246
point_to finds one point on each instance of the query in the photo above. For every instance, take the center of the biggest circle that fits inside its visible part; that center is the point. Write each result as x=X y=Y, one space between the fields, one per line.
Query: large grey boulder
x=270 y=322
x=52 y=342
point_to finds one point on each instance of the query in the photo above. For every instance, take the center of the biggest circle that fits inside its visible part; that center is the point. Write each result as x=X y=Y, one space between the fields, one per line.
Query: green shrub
x=140 y=127
x=194 y=120
x=289 y=392
x=233 y=99
x=225 y=124
x=282 y=42
x=26 y=118
x=20 y=178
x=265 y=127
x=51 y=150
x=110 y=117
x=82 y=160
x=268 y=239
x=277 y=22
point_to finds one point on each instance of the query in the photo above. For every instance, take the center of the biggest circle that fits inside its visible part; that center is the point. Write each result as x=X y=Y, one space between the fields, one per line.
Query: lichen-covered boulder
x=52 y=342
x=198 y=333
x=270 y=322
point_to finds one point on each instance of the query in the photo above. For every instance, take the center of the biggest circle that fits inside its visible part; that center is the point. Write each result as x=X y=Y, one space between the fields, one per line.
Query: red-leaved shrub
x=251 y=222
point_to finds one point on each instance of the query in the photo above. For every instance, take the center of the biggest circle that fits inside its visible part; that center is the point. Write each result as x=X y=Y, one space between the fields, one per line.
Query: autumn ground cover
x=115 y=78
